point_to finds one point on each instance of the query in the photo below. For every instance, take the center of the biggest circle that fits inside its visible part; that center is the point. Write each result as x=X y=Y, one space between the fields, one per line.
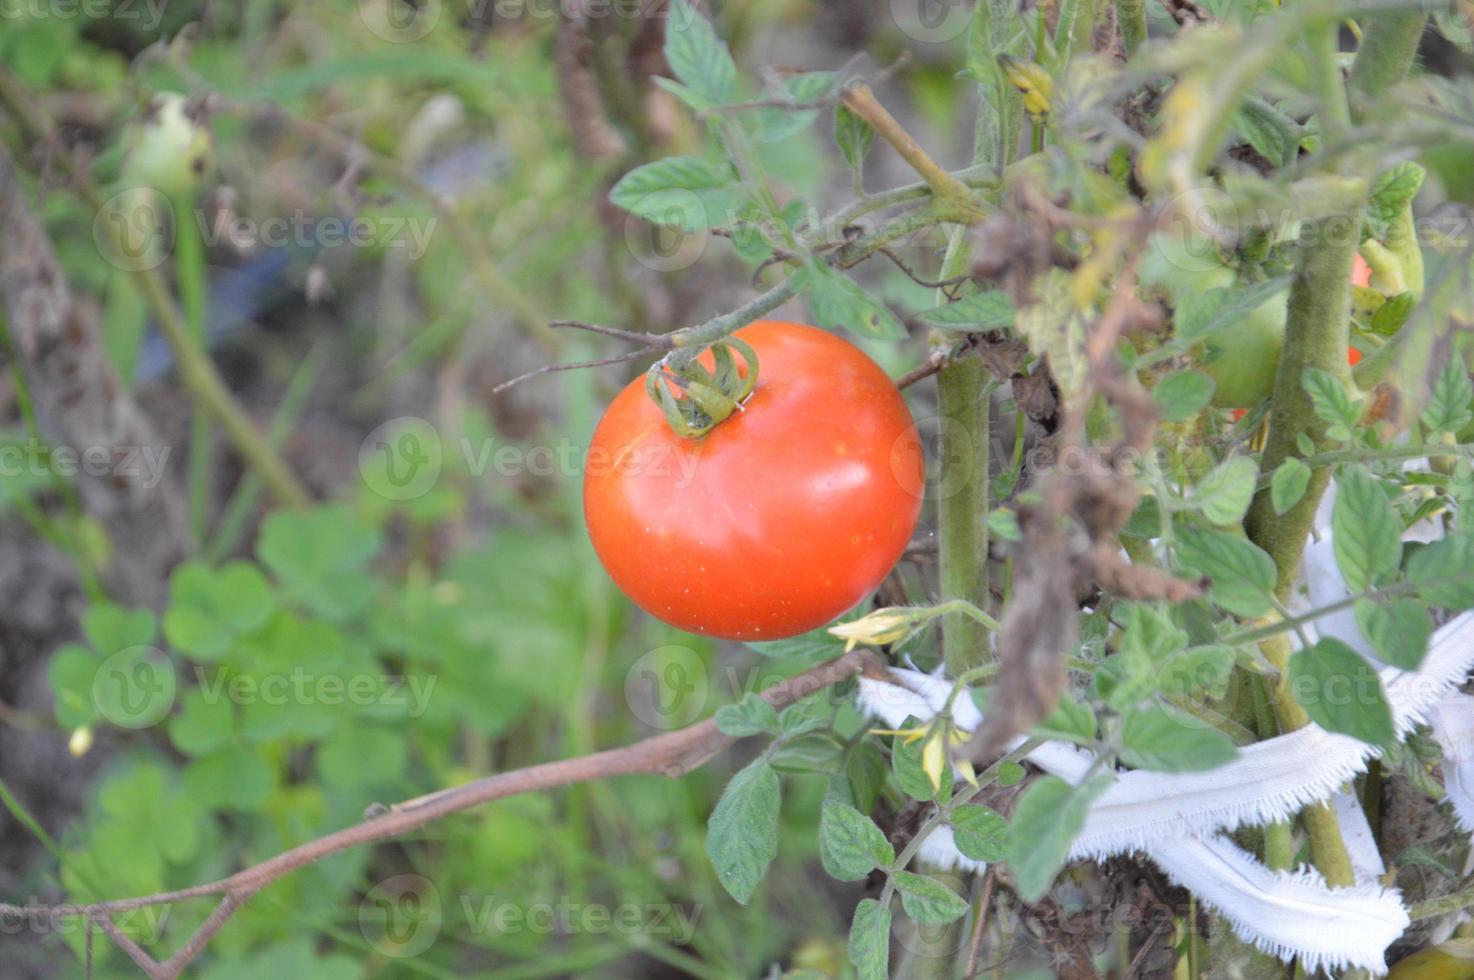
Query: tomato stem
x=1318 y=321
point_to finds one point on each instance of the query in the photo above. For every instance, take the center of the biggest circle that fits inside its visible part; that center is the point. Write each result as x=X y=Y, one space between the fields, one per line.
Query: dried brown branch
x=672 y=754
x=84 y=406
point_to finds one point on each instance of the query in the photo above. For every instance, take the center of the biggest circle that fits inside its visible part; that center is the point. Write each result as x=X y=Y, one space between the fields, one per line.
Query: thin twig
x=672 y=754
x=934 y=363
x=984 y=905
x=573 y=366
x=652 y=341
x=135 y=952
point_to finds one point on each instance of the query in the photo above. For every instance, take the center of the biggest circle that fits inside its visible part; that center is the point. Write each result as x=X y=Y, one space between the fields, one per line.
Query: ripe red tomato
x=785 y=515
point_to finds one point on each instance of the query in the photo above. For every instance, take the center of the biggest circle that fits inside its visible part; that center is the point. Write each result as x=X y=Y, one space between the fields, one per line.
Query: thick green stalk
x=962 y=390
x=1389 y=44
x=1319 y=318
x=1330 y=90
x=1131 y=16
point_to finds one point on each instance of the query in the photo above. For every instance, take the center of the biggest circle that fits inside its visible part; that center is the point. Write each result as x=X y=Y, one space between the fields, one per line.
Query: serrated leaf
x=927 y=900
x=1148 y=634
x=870 y=940
x=1398 y=631
x=1365 y=531
x=853 y=136
x=750 y=716
x=1242 y=575
x=697 y=56
x=1448 y=406
x=838 y=302
x=776 y=123
x=986 y=309
x=742 y=834
x=1046 y=820
x=1196 y=670
x=1269 y=131
x=1070 y=721
x=1004 y=524
x=1333 y=403
x=1392 y=314
x=680 y=192
x=1394 y=188
x=1225 y=493
x=979 y=832
x=850 y=844
x=1167 y=740
x=1443 y=571
x=1341 y=692
x=1290 y=481
x=1183 y=394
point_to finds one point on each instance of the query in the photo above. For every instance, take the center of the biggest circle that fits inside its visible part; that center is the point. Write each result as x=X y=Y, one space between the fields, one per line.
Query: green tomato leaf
x=1149 y=635
x=1225 y=493
x=742 y=834
x=853 y=136
x=1365 y=530
x=1045 y=822
x=697 y=56
x=1333 y=403
x=1070 y=721
x=927 y=900
x=837 y=302
x=1393 y=189
x=979 y=832
x=682 y=192
x=1241 y=573
x=750 y=716
x=1448 y=408
x=870 y=940
x=987 y=309
x=850 y=844
x=1341 y=692
x=1289 y=483
x=1167 y=740
x=1398 y=631
x=1197 y=670
x=1443 y=571
x=1183 y=394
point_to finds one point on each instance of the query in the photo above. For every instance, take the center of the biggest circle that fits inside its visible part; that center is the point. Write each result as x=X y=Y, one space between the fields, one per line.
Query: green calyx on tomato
x=706 y=397
x=777 y=520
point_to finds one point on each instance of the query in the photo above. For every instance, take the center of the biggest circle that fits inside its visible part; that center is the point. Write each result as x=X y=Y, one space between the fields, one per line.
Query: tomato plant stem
x=1319 y=317
x=962 y=491
x=1387 y=50
x=1131 y=15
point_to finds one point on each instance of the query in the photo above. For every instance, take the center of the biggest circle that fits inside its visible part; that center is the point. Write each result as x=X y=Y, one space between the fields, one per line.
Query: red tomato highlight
x=785 y=515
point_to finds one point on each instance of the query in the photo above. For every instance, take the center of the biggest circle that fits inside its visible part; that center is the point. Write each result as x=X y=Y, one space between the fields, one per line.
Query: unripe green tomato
x=1242 y=359
x=165 y=148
